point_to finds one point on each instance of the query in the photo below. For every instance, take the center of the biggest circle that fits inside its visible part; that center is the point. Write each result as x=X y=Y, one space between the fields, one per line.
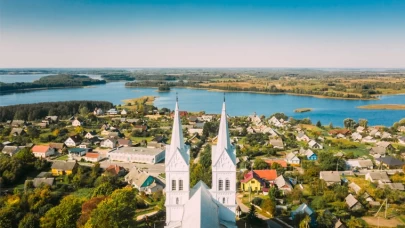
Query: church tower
x=224 y=169
x=177 y=162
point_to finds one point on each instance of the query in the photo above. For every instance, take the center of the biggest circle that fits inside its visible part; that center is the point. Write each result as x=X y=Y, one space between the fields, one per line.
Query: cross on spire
x=177 y=98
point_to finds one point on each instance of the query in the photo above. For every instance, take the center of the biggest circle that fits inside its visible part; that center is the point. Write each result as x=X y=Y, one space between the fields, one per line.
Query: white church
x=199 y=206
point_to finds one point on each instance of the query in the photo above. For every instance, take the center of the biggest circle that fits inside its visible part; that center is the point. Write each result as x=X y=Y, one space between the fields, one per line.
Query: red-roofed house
x=283 y=163
x=258 y=180
x=92 y=157
x=42 y=151
x=269 y=174
x=115 y=170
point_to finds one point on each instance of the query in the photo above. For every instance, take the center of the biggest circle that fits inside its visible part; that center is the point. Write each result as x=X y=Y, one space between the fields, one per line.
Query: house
x=74 y=140
x=57 y=146
x=115 y=170
x=401 y=129
x=17 y=132
x=380 y=177
x=63 y=167
x=330 y=177
x=292 y=159
x=282 y=163
x=311 y=155
x=154 y=144
x=143 y=181
x=76 y=123
x=268 y=175
x=43 y=151
x=368 y=139
x=377 y=151
x=39 y=181
x=355 y=164
x=124 y=142
x=340 y=224
x=112 y=111
x=352 y=203
x=92 y=157
x=255 y=119
x=140 y=128
x=137 y=154
x=10 y=150
x=393 y=186
x=304 y=210
x=274 y=121
x=90 y=134
x=277 y=143
x=252 y=182
x=360 y=129
x=314 y=145
x=109 y=143
x=302 y=137
x=386 y=135
x=401 y=140
x=132 y=121
x=389 y=162
x=124 y=112
x=283 y=184
x=207 y=118
x=386 y=145
x=356 y=136
x=98 y=112
x=344 y=132
x=77 y=151
x=354 y=187
x=51 y=119
x=340 y=136
x=18 y=123
x=42 y=125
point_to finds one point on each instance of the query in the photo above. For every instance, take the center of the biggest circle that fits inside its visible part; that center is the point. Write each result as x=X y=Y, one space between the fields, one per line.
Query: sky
x=206 y=33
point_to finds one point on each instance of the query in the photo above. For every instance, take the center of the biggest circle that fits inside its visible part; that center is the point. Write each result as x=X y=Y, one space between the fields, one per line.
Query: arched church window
x=220 y=185
x=177 y=200
x=173 y=185
x=223 y=200
x=227 y=185
x=180 y=185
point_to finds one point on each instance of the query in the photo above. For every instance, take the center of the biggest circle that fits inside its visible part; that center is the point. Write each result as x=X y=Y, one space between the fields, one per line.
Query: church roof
x=224 y=141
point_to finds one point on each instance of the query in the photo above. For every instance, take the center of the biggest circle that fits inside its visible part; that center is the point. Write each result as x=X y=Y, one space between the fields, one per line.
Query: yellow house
x=252 y=181
x=63 y=167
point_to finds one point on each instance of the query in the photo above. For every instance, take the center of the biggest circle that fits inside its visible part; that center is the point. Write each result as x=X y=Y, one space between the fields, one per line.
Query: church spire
x=224 y=141
x=177 y=141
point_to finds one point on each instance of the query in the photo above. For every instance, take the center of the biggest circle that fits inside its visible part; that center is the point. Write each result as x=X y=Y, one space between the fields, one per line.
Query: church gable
x=224 y=161
x=177 y=162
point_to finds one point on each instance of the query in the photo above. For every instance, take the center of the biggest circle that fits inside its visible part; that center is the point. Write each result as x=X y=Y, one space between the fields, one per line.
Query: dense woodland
x=38 y=111
x=52 y=81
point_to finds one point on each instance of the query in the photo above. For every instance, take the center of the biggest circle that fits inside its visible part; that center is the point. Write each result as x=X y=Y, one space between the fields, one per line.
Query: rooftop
x=138 y=150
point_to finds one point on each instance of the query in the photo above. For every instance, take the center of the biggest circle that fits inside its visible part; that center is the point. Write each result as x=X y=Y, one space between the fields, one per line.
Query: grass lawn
x=83 y=192
x=63 y=158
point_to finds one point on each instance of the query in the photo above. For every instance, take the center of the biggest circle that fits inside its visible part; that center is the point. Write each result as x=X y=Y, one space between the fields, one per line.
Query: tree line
x=38 y=111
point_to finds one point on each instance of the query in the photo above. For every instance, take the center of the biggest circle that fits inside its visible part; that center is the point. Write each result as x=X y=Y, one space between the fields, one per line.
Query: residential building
x=368 y=139
x=360 y=129
x=112 y=111
x=401 y=140
x=39 y=181
x=77 y=152
x=10 y=150
x=356 y=136
x=386 y=145
x=57 y=146
x=252 y=182
x=137 y=154
x=98 y=112
x=330 y=177
x=77 y=123
x=17 y=132
x=90 y=135
x=109 y=143
x=378 y=177
x=292 y=159
x=143 y=181
x=124 y=142
x=281 y=162
x=377 y=151
x=92 y=157
x=314 y=145
x=393 y=186
x=63 y=167
x=283 y=184
x=277 y=143
x=42 y=151
x=311 y=155
x=18 y=123
x=115 y=170
x=389 y=162
x=124 y=112
x=73 y=141
x=352 y=203
x=301 y=136
x=352 y=164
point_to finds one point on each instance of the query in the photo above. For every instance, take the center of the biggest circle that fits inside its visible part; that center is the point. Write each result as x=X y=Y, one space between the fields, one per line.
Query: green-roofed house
x=143 y=181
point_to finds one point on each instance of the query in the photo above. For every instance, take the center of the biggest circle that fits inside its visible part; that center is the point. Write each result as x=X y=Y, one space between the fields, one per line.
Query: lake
x=326 y=110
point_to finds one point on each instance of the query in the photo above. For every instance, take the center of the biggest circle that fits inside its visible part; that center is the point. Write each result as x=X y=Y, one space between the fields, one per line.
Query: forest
x=52 y=81
x=38 y=111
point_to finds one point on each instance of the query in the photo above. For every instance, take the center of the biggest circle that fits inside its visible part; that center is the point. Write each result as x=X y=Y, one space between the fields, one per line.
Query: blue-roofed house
x=311 y=155
x=302 y=211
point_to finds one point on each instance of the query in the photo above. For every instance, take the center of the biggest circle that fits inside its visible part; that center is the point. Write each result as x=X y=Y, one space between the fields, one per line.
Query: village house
x=378 y=177
x=77 y=152
x=274 y=121
x=354 y=187
x=90 y=135
x=140 y=128
x=314 y=145
x=77 y=123
x=311 y=155
x=109 y=143
x=73 y=141
x=40 y=181
x=389 y=162
x=42 y=125
x=252 y=182
x=18 y=123
x=356 y=136
x=330 y=177
x=377 y=151
x=301 y=136
x=143 y=181
x=63 y=167
x=92 y=157
x=352 y=203
x=255 y=119
x=401 y=140
x=368 y=139
x=277 y=143
x=124 y=112
x=393 y=186
x=155 y=144
x=339 y=224
x=292 y=159
x=360 y=129
x=302 y=211
x=112 y=111
x=401 y=129
x=42 y=151
x=17 y=132
x=50 y=119
x=124 y=142
x=58 y=147
x=357 y=164
x=207 y=118
x=373 y=132
x=10 y=150
x=281 y=162
x=98 y=112
x=386 y=135
x=386 y=145
x=115 y=170
x=283 y=184
x=340 y=136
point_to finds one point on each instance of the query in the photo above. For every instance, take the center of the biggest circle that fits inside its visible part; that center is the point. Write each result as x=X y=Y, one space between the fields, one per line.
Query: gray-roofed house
x=124 y=142
x=18 y=123
x=277 y=143
x=314 y=145
x=380 y=177
x=353 y=203
x=330 y=177
x=57 y=146
x=143 y=181
x=389 y=162
x=378 y=151
x=292 y=159
x=302 y=137
x=63 y=167
x=283 y=184
x=393 y=186
x=17 y=132
x=37 y=182
x=354 y=187
x=340 y=224
x=386 y=145
x=10 y=150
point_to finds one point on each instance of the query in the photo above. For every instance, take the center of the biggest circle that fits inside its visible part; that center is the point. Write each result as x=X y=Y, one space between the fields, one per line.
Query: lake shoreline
x=383 y=107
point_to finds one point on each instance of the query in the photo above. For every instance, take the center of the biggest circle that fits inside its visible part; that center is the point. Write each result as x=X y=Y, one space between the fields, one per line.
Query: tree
x=260 y=164
x=64 y=215
x=29 y=221
x=279 y=115
x=117 y=211
x=354 y=222
x=349 y=123
x=318 y=124
x=363 y=122
x=269 y=206
x=87 y=208
x=305 y=222
x=329 y=162
x=331 y=125
x=252 y=216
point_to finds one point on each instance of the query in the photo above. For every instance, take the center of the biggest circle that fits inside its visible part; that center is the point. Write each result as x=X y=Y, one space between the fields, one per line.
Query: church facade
x=199 y=206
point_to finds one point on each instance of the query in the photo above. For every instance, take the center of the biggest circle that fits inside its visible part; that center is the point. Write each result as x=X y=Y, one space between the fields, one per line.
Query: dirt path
x=393 y=222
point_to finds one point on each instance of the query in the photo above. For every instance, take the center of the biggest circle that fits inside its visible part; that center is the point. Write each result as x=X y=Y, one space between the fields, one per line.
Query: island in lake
x=300 y=110
x=383 y=107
